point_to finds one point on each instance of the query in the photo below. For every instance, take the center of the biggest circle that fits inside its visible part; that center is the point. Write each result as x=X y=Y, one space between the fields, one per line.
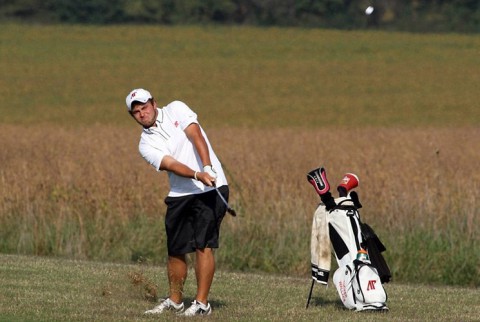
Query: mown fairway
x=39 y=289
x=399 y=110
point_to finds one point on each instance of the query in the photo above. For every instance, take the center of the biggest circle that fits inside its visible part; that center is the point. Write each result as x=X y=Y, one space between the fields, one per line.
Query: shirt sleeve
x=182 y=113
x=153 y=155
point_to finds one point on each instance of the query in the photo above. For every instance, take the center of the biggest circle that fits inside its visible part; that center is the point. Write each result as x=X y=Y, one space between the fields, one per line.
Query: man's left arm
x=195 y=135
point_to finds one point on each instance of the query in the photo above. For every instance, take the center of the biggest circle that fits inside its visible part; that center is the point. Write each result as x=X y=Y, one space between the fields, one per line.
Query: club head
x=232 y=212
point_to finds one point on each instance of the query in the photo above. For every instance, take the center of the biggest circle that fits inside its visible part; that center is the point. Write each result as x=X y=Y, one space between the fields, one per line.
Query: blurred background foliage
x=398 y=15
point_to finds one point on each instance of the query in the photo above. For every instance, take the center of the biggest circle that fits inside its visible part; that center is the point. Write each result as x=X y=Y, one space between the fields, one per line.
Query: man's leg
x=204 y=271
x=177 y=274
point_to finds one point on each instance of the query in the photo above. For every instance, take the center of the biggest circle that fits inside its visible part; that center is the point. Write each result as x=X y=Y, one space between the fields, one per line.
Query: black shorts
x=193 y=222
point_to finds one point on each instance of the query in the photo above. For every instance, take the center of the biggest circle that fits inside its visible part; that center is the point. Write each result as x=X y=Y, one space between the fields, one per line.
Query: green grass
x=44 y=289
x=276 y=103
x=235 y=76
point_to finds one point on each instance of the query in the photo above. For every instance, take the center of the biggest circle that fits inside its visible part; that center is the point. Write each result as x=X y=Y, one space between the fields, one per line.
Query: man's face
x=145 y=114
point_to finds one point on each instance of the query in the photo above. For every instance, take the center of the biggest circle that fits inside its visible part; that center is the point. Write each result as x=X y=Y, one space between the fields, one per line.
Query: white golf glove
x=209 y=169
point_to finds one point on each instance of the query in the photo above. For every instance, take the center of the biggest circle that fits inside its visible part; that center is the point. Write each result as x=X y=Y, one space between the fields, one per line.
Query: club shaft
x=229 y=209
x=221 y=197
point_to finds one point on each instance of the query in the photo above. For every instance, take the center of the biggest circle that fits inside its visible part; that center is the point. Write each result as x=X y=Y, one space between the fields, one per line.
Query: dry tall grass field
x=86 y=193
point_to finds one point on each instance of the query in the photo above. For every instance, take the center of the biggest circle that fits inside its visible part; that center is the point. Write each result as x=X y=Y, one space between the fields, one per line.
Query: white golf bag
x=357 y=280
x=358 y=250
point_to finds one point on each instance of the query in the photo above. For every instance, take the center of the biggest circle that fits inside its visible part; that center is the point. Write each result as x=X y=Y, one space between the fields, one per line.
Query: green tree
x=90 y=11
x=145 y=11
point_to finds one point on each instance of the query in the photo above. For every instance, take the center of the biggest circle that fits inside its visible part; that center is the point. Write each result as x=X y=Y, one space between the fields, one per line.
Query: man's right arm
x=170 y=164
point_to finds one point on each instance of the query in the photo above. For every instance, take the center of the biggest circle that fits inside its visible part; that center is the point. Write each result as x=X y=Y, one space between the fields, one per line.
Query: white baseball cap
x=137 y=95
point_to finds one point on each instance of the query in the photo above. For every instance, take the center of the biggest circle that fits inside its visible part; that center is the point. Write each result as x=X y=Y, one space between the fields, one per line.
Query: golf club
x=230 y=210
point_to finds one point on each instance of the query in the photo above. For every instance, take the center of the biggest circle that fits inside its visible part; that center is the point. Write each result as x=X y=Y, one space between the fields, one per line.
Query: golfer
x=172 y=140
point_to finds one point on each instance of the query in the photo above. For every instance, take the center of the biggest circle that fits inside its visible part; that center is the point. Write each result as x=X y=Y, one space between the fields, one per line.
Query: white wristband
x=195 y=175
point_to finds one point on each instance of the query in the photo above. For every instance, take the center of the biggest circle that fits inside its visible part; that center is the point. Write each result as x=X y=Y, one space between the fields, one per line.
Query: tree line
x=402 y=15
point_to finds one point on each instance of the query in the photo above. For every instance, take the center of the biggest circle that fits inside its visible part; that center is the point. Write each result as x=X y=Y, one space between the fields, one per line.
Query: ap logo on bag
x=357 y=287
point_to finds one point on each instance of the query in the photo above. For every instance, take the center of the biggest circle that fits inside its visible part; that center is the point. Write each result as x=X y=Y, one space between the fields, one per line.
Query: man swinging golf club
x=172 y=140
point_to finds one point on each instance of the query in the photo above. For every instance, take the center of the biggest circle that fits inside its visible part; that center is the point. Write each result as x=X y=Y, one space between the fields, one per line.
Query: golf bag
x=357 y=280
x=336 y=222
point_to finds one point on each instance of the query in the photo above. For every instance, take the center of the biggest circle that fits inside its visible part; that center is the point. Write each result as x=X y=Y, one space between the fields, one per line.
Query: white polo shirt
x=168 y=138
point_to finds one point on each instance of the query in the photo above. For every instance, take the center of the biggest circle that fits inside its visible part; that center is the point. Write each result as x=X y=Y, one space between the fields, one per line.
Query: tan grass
x=86 y=193
x=422 y=177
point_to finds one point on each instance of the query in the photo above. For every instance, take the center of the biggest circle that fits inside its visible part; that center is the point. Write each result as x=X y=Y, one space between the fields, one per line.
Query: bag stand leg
x=310 y=294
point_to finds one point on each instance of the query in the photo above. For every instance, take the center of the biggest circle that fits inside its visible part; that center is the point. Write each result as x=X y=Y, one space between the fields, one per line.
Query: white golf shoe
x=198 y=308
x=167 y=305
